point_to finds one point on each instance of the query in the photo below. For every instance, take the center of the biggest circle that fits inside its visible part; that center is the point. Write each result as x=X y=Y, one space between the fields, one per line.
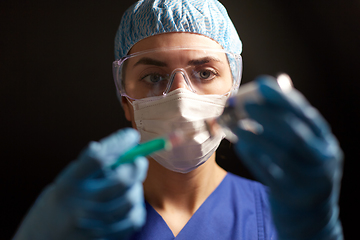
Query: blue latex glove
x=299 y=159
x=89 y=201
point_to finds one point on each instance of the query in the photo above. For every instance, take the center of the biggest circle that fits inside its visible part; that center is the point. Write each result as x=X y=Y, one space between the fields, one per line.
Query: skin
x=176 y=196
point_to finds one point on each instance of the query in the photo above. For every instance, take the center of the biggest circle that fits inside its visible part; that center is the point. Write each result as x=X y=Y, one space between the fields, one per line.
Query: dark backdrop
x=57 y=91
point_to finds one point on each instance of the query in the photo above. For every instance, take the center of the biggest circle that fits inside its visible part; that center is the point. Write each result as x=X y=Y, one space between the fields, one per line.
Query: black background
x=57 y=92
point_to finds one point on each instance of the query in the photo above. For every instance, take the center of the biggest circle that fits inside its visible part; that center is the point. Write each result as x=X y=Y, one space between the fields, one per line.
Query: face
x=207 y=73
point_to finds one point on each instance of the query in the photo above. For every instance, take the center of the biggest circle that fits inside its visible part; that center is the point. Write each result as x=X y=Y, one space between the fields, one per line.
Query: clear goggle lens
x=157 y=72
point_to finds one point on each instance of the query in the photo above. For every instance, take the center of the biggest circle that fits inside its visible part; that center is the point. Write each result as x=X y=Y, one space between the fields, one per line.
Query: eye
x=205 y=74
x=153 y=78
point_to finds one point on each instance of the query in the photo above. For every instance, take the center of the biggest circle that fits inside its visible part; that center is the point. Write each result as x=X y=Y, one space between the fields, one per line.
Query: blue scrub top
x=237 y=209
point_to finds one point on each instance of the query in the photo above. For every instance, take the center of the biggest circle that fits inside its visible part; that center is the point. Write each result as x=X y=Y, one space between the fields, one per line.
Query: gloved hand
x=300 y=161
x=89 y=201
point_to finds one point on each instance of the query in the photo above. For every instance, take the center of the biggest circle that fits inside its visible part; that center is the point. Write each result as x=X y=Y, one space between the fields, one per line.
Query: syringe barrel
x=235 y=115
x=234 y=109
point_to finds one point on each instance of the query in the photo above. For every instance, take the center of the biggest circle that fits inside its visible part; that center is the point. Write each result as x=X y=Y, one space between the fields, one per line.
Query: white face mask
x=180 y=109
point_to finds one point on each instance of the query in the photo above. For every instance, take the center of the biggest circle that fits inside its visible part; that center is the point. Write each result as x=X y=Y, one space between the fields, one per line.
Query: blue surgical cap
x=151 y=17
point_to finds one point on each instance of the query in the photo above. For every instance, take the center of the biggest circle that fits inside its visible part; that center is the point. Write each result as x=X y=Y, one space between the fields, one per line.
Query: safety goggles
x=157 y=72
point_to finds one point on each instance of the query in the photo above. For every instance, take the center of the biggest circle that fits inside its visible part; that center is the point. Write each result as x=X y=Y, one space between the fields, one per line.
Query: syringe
x=234 y=115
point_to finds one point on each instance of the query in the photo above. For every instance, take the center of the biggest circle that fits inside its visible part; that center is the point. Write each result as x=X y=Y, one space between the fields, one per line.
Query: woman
x=177 y=63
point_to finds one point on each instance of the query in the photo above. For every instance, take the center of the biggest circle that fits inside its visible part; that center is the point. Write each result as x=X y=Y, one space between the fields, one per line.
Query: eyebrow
x=194 y=62
x=150 y=61
x=201 y=61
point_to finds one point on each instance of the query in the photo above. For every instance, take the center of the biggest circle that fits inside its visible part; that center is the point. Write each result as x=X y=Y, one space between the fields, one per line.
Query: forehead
x=166 y=40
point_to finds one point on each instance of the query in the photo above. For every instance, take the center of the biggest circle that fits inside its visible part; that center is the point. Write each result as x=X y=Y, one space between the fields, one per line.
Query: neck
x=166 y=190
